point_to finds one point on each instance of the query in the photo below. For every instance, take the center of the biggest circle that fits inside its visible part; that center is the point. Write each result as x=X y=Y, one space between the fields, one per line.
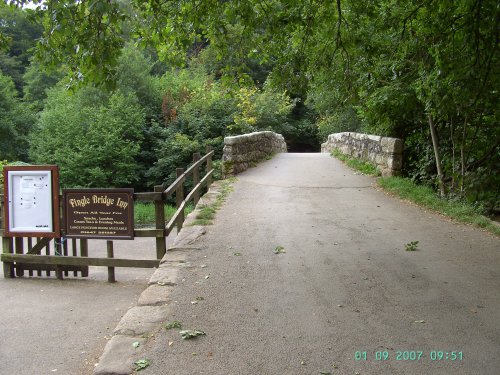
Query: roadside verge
x=144 y=320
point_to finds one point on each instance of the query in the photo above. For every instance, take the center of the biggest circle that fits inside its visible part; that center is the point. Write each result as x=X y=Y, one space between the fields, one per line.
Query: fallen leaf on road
x=279 y=250
x=174 y=324
x=237 y=254
x=191 y=333
x=141 y=364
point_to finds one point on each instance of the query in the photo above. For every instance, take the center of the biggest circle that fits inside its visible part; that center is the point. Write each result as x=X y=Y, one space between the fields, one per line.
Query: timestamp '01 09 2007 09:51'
x=409 y=355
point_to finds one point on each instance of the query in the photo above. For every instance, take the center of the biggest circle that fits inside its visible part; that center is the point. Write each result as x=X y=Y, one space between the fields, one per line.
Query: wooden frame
x=71 y=255
x=84 y=211
x=54 y=194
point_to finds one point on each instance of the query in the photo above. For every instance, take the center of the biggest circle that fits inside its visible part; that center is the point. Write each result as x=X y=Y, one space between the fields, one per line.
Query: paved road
x=344 y=285
x=48 y=326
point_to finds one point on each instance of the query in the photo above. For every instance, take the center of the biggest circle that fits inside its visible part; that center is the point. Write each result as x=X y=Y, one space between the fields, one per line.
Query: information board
x=31 y=201
x=99 y=213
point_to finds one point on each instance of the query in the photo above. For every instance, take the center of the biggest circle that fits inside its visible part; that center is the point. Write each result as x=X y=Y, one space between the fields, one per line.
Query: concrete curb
x=145 y=319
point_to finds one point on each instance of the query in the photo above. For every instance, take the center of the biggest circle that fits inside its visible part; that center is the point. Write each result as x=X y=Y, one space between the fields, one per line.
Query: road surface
x=344 y=297
x=49 y=326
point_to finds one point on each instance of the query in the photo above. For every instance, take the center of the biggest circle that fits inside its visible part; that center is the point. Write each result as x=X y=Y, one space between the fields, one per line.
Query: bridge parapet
x=242 y=151
x=386 y=153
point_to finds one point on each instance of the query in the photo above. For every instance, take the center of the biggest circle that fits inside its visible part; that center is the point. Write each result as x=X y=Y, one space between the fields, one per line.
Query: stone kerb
x=386 y=153
x=152 y=311
x=242 y=151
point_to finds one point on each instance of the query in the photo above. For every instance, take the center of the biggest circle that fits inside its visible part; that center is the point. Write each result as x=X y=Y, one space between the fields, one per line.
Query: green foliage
x=15 y=122
x=93 y=137
x=343 y=120
x=364 y=167
x=144 y=212
x=425 y=196
x=174 y=150
x=258 y=109
x=19 y=35
x=2 y=164
x=37 y=80
x=411 y=246
x=383 y=67
x=133 y=77
x=206 y=213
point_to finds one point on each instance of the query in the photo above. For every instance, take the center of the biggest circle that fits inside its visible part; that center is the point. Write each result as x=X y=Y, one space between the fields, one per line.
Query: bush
x=343 y=120
x=93 y=137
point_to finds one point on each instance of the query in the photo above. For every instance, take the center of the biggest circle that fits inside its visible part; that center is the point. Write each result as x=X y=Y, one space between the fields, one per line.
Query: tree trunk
x=435 y=146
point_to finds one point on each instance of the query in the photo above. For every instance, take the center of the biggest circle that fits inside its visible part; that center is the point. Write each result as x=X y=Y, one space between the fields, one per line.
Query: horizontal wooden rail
x=198 y=187
x=198 y=163
x=174 y=186
x=61 y=257
x=149 y=196
x=79 y=261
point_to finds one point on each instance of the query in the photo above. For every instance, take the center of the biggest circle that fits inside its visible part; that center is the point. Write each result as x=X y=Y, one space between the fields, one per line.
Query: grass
x=144 y=212
x=364 y=167
x=206 y=213
x=424 y=196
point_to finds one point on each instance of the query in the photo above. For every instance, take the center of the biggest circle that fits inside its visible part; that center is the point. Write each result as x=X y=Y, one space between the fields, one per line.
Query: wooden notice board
x=31 y=201
x=99 y=213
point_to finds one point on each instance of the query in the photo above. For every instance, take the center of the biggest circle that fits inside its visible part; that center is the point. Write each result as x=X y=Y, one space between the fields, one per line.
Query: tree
x=94 y=137
x=20 y=36
x=37 y=80
x=15 y=122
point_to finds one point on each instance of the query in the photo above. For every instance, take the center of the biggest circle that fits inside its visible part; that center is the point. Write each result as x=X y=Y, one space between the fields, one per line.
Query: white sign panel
x=30 y=201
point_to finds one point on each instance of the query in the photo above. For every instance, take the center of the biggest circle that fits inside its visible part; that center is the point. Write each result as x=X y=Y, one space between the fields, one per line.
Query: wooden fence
x=22 y=254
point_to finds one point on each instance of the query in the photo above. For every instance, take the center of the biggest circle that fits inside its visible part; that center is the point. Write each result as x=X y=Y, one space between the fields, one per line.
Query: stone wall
x=386 y=153
x=242 y=151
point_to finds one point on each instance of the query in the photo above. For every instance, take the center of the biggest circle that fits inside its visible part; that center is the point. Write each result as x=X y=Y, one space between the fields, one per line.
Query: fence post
x=209 y=166
x=179 y=197
x=8 y=268
x=196 y=178
x=161 y=245
x=84 y=252
x=18 y=242
x=111 y=270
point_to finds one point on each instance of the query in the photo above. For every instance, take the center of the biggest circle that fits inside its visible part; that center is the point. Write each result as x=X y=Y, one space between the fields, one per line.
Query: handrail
x=159 y=197
x=198 y=163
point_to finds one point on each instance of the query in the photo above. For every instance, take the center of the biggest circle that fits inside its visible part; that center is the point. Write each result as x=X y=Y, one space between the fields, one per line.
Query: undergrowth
x=364 y=167
x=424 y=196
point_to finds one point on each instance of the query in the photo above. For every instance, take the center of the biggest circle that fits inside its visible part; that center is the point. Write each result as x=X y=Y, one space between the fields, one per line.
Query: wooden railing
x=161 y=195
x=65 y=259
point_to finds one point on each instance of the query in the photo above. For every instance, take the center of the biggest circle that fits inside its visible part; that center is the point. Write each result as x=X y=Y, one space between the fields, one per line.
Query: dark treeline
x=120 y=93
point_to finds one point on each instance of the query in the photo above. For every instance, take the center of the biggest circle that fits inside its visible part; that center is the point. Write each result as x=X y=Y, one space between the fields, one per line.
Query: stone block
x=119 y=356
x=155 y=295
x=164 y=276
x=142 y=320
x=174 y=257
x=189 y=235
x=395 y=162
x=391 y=145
